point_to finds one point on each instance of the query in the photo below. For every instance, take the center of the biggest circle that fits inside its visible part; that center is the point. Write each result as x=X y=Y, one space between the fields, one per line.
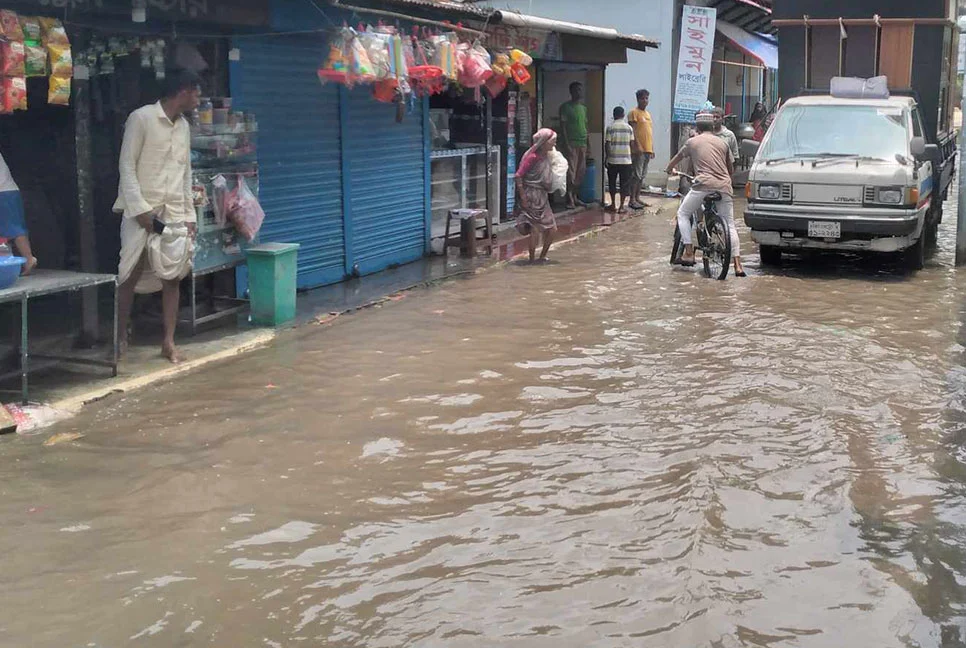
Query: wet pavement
x=603 y=451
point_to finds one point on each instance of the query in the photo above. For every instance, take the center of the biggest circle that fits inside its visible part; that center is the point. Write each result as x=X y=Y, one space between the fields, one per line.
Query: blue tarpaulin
x=751 y=44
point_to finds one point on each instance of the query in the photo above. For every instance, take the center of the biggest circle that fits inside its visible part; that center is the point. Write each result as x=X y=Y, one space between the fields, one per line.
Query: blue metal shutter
x=299 y=150
x=388 y=173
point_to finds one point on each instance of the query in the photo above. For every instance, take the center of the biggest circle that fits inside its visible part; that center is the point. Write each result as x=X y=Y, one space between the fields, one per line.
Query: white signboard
x=694 y=62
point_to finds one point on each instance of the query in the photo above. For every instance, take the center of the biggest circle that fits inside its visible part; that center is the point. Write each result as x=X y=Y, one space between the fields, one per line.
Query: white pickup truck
x=838 y=173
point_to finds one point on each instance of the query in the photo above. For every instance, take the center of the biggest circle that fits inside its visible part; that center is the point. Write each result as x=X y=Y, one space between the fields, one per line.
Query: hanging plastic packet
x=445 y=55
x=476 y=65
x=336 y=66
x=58 y=93
x=12 y=56
x=35 y=59
x=61 y=62
x=31 y=28
x=521 y=57
x=501 y=65
x=377 y=49
x=496 y=84
x=15 y=93
x=360 y=67
x=10 y=28
x=246 y=214
x=53 y=32
x=520 y=73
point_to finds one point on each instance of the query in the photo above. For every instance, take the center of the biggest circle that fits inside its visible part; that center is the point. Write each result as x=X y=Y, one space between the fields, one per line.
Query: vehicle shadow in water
x=841 y=265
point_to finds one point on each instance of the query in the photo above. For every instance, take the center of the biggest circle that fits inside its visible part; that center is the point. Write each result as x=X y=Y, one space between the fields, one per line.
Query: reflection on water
x=606 y=452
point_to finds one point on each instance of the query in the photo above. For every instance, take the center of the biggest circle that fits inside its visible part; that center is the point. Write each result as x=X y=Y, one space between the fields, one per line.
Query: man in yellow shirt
x=642 y=148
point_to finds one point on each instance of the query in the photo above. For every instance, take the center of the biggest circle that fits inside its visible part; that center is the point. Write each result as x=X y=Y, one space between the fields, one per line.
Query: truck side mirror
x=749 y=148
x=918 y=147
x=925 y=152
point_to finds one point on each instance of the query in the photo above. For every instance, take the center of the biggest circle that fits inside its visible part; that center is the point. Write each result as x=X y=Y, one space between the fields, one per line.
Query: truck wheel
x=915 y=257
x=770 y=255
x=932 y=235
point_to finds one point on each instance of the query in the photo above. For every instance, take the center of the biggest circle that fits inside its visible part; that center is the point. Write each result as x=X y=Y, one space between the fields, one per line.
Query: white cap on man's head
x=704 y=118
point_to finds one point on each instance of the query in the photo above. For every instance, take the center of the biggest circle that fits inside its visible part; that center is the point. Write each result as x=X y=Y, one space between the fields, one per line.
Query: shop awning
x=630 y=41
x=751 y=15
x=753 y=45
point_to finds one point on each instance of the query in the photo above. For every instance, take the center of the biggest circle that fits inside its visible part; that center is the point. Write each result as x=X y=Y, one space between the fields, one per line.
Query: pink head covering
x=540 y=138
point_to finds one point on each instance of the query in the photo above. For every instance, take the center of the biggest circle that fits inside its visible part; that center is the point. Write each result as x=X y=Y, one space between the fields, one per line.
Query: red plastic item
x=520 y=73
x=385 y=90
x=332 y=76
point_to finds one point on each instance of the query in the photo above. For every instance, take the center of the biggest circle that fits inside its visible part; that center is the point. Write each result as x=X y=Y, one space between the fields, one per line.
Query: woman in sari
x=534 y=182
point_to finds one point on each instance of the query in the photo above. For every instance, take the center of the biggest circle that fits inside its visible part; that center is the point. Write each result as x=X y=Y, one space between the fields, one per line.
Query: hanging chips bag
x=35 y=59
x=53 y=32
x=10 y=26
x=31 y=28
x=15 y=93
x=59 y=92
x=12 y=59
x=61 y=62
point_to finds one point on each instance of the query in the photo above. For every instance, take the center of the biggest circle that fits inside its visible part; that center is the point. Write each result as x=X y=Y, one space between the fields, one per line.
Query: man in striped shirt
x=620 y=164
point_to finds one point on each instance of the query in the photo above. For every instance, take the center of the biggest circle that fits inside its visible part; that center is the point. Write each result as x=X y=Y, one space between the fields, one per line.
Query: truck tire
x=914 y=258
x=770 y=255
x=931 y=230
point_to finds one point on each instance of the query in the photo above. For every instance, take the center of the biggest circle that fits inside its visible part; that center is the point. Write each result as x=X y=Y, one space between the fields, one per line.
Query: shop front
x=564 y=54
x=69 y=86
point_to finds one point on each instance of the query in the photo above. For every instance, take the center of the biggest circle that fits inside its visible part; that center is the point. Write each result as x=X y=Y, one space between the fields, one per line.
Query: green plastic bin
x=272 y=269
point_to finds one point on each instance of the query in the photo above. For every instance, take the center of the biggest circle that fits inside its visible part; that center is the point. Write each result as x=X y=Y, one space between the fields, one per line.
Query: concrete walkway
x=65 y=389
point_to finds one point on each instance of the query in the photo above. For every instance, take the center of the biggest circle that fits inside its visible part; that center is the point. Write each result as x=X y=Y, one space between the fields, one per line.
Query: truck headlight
x=770 y=192
x=889 y=196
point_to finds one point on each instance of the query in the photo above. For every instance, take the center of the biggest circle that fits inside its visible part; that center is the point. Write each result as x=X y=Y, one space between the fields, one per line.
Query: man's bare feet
x=171 y=352
x=29 y=266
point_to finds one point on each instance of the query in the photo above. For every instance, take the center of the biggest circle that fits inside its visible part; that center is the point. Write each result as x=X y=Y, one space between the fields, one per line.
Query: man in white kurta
x=155 y=189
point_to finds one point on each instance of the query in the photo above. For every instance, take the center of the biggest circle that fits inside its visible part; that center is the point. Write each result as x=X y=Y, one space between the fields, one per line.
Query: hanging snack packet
x=360 y=67
x=15 y=93
x=53 y=32
x=377 y=48
x=59 y=92
x=12 y=59
x=10 y=26
x=61 y=62
x=31 y=28
x=336 y=66
x=35 y=59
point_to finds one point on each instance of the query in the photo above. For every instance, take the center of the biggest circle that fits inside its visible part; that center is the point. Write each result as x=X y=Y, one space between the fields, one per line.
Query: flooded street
x=601 y=452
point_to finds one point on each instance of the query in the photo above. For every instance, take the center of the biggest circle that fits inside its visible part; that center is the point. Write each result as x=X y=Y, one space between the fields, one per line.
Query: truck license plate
x=824 y=229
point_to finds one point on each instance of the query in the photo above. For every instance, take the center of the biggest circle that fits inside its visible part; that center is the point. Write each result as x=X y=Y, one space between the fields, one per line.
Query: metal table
x=49 y=282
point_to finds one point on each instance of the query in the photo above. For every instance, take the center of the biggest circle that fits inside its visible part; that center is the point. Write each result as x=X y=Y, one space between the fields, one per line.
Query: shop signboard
x=228 y=12
x=694 y=62
x=538 y=43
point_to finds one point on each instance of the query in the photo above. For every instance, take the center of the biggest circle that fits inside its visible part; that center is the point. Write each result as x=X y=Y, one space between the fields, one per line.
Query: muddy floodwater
x=604 y=451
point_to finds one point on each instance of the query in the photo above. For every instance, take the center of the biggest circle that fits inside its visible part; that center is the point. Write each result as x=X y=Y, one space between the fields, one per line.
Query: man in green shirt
x=573 y=127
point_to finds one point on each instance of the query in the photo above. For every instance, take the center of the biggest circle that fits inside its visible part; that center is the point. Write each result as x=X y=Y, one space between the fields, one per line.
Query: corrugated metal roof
x=456 y=9
x=750 y=15
x=452 y=10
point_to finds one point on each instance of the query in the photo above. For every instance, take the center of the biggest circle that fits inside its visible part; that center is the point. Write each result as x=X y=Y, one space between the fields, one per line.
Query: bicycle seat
x=713 y=197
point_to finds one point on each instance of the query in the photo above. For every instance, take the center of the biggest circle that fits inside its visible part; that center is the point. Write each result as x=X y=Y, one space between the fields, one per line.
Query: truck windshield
x=837 y=130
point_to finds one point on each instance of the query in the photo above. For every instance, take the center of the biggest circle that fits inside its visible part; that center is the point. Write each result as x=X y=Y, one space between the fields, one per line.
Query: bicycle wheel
x=717 y=254
x=677 y=249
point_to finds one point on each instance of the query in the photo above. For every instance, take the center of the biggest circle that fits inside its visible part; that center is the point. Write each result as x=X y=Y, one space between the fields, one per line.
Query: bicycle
x=711 y=237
